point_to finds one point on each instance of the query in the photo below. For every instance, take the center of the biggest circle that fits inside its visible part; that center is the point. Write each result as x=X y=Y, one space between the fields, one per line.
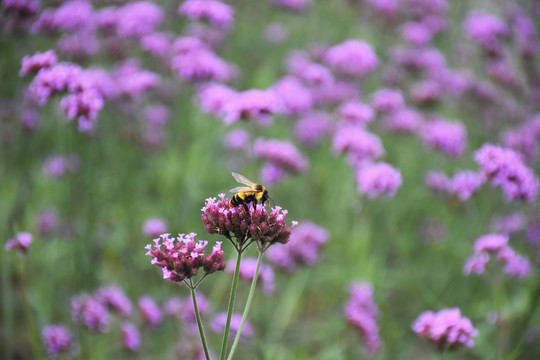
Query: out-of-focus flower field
x=397 y=139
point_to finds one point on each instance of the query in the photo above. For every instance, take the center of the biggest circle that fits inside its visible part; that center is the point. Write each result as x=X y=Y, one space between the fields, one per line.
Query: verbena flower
x=57 y=166
x=272 y=174
x=426 y=92
x=217 y=13
x=358 y=143
x=252 y=104
x=447 y=329
x=237 y=139
x=302 y=248
x=295 y=97
x=485 y=28
x=352 y=57
x=362 y=312
x=281 y=153
x=402 y=120
x=356 y=112
x=90 y=312
x=115 y=299
x=138 y=18
x=150 y=311
x=437 y=181
x=378 y=179
x=20 y=242
x=218 y=326
x=57 y=339
x=416 y=33
x=496 y=245
x=201 y=64
x=336 y=92
x=131 y=338
x=312 y=127
x=214 y=98
x=182 y=309
x=47 y=221
x=21 y=8
x=257 y=225
x=446 y=136
x=465 y=183
x=509 y=223
x=183 y=259
x=505 y=168
x=38 y=61
x=387 y=100
x=158 y=44
x=153 y=227
x=69 y=16
x=132 y=81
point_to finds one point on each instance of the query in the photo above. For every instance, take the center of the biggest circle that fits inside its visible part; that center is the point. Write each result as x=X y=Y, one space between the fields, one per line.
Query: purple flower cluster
x=352 y=57
x=447 y=136
x=217 y=13
x=294 y=96
x=302 y=248
x=114 y=298
x=387 y=100
x=465 y=183
x=153 y=227
x=90 y=312
x=447 y=329
x=201 y=64
x=282 y=154
x=496 y=245
x=404 y=120
x=485 y=29
x=258 y=225
x=183 y=260
x=375 y=179
x=132 y=81
x=312 y=127
x=184 y=311
x=57 y=166
x=131 y=338
x=20 y=242
x=151 y=312
x=505 y=168
x=253 y=104
x=57 y=339
x=32 y=64
x=359 y=144
x=356 y=113
x=70 y=16
x=214 y=98
x=362 y=312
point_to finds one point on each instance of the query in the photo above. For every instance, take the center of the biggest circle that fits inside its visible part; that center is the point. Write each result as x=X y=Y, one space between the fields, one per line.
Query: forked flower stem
x=231 y=306
x=248 y=305
x=199 y=322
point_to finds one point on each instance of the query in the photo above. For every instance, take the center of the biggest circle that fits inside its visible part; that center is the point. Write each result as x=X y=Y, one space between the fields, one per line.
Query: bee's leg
x=245 y=207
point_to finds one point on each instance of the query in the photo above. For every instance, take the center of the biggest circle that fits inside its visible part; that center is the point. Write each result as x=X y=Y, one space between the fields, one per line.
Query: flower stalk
x=248 y=304
x=192 y=288
x=231 y=306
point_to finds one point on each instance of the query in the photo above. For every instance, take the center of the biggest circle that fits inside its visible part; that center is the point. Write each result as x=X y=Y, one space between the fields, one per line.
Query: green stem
x=248 y=305
x=29 y=320
x=231 y=306
x=199 y=322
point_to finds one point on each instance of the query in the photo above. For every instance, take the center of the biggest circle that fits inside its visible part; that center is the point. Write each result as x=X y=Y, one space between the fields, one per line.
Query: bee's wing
x=242 y=179
x=242 y=189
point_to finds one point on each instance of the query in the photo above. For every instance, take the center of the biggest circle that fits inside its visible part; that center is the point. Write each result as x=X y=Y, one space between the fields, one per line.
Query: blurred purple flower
x=69 y=16
x=352 y=57
x=138 y=18
x=486 y=29
x=312 y=127
x=215 y=97
x=90 y=312
x=358 y=143
x=184 y=311
x=509 y=223
x=183 y=260
x=150 y=311
x=153 y=227
x=294 y=96
x=218 y=326
x=313 y=74
x=21 y=8
x=216 y=12
x=57 y=166
x=522 y=139
x=115 y=299
x=377 y=179
x=302 y=248
x=252 y=104
x=356 y=112
x=426 y=92
x=271 y=173
x=437 y=181
x=447 y=136
x=83 y=106
x=247 y=270
x=296 y=5
x=335 y=93
x=30 y=119
x=158 y=44
x=362 y=312
x=447 y=329
x=201 y=65
x=416 y=33
x=384 y=8
x=281 y=153
x=387 y=100
x=132 y=81
x=32 y=64
x=237 y=139
x=402 y=120
x=465 y=183
x=57 y=339
x=131 y=339
x=20 y=242
x=47 y=221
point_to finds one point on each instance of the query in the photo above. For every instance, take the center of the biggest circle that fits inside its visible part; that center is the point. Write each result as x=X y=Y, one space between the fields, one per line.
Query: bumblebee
x=244 y=195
